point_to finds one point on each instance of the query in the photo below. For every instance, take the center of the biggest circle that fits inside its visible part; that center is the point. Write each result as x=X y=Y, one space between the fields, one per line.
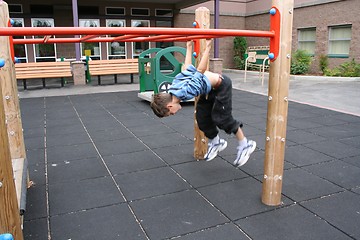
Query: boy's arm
x=188 y=56
x=205 y=57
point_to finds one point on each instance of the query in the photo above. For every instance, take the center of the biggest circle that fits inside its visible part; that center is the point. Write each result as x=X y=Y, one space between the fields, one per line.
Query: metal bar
x=30 y=31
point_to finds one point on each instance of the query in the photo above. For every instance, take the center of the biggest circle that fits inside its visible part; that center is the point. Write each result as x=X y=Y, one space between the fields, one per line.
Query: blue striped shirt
x=189 y=83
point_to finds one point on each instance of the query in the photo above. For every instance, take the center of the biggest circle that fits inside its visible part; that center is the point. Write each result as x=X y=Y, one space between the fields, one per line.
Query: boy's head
x=164 y=105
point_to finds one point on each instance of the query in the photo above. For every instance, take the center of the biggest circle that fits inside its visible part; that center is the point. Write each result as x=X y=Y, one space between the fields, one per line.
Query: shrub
x=323 y=63
x=347 y=69
x=300 y=62
x=240 y=46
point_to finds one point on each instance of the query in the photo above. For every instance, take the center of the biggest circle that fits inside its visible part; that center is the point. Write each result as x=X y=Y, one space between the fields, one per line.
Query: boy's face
x=173 y=108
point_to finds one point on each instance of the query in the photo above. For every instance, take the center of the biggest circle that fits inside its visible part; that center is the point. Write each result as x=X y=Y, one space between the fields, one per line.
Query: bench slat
x=42 y=70
x=113 y=67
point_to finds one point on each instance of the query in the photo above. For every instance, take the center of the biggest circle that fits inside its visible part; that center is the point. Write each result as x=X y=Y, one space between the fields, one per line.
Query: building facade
x=321 y=27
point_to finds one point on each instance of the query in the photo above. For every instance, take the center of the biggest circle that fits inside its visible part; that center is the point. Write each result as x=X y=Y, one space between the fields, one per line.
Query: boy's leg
x=245 y=148
x=205 y=123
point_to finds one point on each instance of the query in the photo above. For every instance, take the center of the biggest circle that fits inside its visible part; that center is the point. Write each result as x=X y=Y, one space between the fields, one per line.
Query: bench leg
x=43 y=81
x=99 y=80
x=24 y=84
x=132 y=78
x=115 y=77
x=62 y=82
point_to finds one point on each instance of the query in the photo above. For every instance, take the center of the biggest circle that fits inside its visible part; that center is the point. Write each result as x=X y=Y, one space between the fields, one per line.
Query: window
x=15 y=8
x=116 y=49
x=140 y=12
x=139 y=47
x=91 y=49
x=339 y=41
x=19 y=49
x=307 y=39
x=163 y=12
x=115 y=11
x=44 y=52
x=88 y=10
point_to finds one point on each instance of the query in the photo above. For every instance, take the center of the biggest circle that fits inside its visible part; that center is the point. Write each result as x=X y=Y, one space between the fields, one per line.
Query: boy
x=213 y=109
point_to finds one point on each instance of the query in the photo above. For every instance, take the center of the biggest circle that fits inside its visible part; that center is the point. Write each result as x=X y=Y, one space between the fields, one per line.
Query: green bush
x=300 y=62
x=347 y=69
x=323 y=63
x=240 y=46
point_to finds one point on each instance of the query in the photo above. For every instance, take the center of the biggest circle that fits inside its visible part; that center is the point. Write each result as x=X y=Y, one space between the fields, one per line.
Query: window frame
x=299 y=41
x=24 y=45
x=109 y=44
x=330 y=40
x=52 y=23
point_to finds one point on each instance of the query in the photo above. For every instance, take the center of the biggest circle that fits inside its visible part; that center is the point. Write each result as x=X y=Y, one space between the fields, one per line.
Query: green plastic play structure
x=157 y=69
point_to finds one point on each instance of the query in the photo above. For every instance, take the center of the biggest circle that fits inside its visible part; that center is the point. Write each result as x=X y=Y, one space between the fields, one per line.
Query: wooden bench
x=42 y=70
x=113 y=67
x=257 y=58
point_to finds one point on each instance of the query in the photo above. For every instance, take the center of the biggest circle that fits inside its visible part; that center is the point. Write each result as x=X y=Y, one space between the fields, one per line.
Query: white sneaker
x=243 y=154
x=214 y=149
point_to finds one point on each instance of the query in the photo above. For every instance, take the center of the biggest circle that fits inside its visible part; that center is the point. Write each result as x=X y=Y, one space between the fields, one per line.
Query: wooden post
x=278 y=108
x=10 y=134
x=202 y=17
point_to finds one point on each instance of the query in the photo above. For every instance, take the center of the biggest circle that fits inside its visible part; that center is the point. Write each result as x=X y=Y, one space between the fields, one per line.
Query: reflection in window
x=91 y=49
x=339 y=41
x=19 y=49
x=139 y=47
x=116 y=50
x=44 y=52
x=307 y=38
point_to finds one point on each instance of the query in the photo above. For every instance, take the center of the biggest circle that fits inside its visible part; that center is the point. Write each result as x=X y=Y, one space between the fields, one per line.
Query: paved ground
x=105 y=167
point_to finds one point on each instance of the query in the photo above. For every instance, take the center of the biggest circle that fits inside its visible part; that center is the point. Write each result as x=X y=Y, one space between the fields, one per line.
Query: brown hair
x=159 y=104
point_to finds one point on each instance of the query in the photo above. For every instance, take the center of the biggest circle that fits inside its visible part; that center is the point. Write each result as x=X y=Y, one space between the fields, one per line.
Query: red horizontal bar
x=35 y=31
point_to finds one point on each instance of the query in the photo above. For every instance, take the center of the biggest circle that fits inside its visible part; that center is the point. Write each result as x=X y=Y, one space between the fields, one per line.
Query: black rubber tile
x=34 y=132
x=172 y=140
x=294 y=222
x=76 y=170
x=301 y=124
x=72 y=152
x=140 y=121
x=300 y=185
x=128 y=145
x=294 y=113
x=202 y=173
x=178 y=154
x=347 y=118
x=334 y=149
x=150 y=183
x=150 y=130
x=301 y=156
x=35 y=202
x=176 y=214
x=340 y=210
x=327 y=120
x=34 y=143
x=37 y=173
x=35 y=156
x=227 y=231
x=98 y=126
x=77 y=196
x=63 y=123
x=336 y=132
x=111 y=222
x=238 y=199
x=338 y=172
x=353 y=160
x=301 y=137
x=353 y=141
x=68 y=139
x=110 y=134
x=60 y=130
x=131 y=162
x=356 y=190
x=35 y=229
